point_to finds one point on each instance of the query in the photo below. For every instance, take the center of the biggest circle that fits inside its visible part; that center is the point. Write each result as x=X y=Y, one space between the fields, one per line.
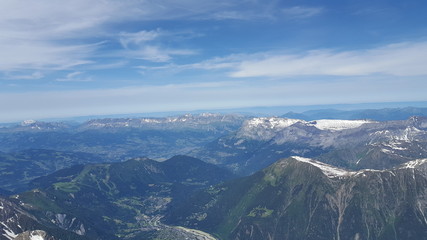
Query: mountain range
x=33 y=149
x=352 y=144
x=260 y=178
x=121 y=139
x=294 y=198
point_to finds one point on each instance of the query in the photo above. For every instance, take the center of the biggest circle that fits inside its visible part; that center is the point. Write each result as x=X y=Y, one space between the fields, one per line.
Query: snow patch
x=8 y=232
x=394 y=145
x=270 y=123
x=36 y=237
x=239 y=142
x=28 y=122
x=408 y=134
x=334 y=172
x=328 y=170
x=414 y=163
x=264 y=128
x=338 y=125
x=386 y=151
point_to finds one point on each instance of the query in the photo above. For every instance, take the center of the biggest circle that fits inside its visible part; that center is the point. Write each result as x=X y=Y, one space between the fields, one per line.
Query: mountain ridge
x=295 y=199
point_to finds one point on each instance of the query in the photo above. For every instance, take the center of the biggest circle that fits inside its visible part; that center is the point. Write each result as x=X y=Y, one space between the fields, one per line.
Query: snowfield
x=338 y=125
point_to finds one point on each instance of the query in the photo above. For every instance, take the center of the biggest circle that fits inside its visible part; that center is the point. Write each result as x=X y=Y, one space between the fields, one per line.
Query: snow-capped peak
x=337 y=125
x=272 y=122
x=328 y=170
x=265 y=128
x=28 y=122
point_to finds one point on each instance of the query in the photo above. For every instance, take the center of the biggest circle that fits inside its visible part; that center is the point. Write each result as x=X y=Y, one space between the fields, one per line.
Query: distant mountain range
x=251 y=111
x=33 y=149
x=121 y=139
x=352 y=144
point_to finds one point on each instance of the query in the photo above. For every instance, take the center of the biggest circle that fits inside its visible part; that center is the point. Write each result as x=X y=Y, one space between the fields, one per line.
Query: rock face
x=68 y=223
x=300 y=198
x=14 y=220
x=352 y=144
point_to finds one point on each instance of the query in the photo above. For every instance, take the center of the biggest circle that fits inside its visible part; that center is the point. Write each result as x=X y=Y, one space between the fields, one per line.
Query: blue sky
x=73 y=58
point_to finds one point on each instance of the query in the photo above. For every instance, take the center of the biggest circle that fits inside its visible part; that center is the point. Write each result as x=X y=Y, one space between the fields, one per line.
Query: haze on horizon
x=63 y=59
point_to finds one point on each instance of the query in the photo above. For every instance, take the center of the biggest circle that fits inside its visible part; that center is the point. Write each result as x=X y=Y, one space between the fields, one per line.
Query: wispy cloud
x=142 y=45
x=39 y=35
x=31 y=76
x=25 y=55
x=230 y=62
x=74 y=77
x=111 y=65
x=301 y=12
x=136 y=38
x=400 y=59
x=155 y=53
x=242 y=15
x=59 y=35
x=404 y=59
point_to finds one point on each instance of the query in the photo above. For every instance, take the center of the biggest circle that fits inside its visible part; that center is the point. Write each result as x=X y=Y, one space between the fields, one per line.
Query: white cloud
x=244 y=15
x=137 y=38
x=155 y=53
x=111 y=65
x=300 y=12
x=404 y=59
x=25 y=55
x=34 y=75
x=219 y=63
x=231 y=15
x=48 y=34
x=74 y=77
x=140 y=45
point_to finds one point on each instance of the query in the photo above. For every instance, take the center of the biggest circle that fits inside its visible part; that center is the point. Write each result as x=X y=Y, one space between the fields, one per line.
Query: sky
x=77 y=58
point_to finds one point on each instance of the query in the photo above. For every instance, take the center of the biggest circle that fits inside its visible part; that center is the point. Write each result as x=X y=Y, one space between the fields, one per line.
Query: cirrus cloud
x=300 y=12
x=403 y=59
x=52 y=35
